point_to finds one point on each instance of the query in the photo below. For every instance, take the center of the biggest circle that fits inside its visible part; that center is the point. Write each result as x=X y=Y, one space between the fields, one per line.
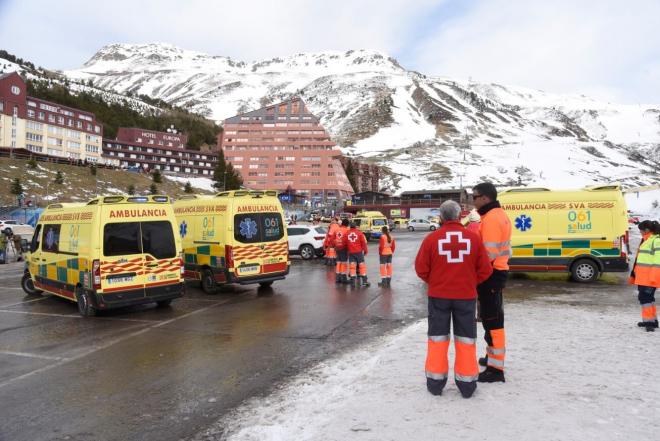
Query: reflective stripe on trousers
x=497 y=351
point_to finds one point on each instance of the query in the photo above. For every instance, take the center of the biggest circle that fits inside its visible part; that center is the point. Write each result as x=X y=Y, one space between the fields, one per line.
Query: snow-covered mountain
x=415 y=125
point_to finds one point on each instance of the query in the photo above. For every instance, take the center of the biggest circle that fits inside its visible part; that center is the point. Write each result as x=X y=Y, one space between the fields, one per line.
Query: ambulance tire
x=28 y=286
x=85 y=307
x=585 y=271
x=208 y=282
x=306 y=251
x=163 y=303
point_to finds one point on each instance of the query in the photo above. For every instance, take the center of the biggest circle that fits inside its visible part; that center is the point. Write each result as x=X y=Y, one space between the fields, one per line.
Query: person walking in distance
x=338 y=240
x=386 y=249
x=328 y=244
x=646 y=273
x=356 y=244
x=452 y=261
x=495 y=230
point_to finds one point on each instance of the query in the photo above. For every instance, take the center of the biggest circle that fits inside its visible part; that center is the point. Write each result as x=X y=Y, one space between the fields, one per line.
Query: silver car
x=421 y=225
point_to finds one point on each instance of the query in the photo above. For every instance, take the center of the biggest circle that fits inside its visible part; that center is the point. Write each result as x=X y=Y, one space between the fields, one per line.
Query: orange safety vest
x=385 y=246
x=495 y=232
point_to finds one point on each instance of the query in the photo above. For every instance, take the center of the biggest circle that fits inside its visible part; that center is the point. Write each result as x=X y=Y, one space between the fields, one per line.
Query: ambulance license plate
x=119 y=279
x=252 y=269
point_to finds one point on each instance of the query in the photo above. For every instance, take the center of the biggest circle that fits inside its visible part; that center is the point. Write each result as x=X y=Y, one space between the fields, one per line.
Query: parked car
x=16 y=227
x=306 y=240
x=422 y=225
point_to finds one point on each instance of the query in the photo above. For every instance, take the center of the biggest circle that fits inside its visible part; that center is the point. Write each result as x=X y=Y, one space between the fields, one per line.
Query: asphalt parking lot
x=168 y=373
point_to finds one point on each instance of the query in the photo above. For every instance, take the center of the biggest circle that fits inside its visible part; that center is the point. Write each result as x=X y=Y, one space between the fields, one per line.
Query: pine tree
x=59 y=178
x=32 y=163
x=16 y=187
x=188 y=188
x=153 y=189
x=225 y=176
x=131 y=189
x=157 y=176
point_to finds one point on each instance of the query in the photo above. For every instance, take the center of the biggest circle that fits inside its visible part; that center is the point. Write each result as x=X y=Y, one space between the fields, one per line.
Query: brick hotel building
x=148 y=150
x=285 y=146
x=44 y=127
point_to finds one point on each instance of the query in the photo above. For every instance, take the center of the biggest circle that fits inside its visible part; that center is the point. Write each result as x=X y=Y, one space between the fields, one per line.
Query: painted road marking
x=30 y=355
x=27 y=301
x=110 y=343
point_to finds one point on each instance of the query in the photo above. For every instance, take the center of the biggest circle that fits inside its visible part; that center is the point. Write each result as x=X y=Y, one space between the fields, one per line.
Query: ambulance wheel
x=85 y=307
x=208 y=282
x=28 y=286
x=584 y=271
x=164 y=303
x=306 y=252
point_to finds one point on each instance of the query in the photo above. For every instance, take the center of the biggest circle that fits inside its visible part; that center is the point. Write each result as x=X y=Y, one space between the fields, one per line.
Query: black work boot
x=435 y=386
x=338 y=278
x=365 y=282
x=353 y=281
x=650 y=328
x=491 y=375
x=345 y=279
x=466 y=388
x=483 y=361
x=653 y=324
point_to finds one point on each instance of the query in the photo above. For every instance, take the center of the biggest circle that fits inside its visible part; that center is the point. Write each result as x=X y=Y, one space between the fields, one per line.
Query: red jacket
x=337 y=238
x=386 y=248
x=355 y=241
x=453 y=261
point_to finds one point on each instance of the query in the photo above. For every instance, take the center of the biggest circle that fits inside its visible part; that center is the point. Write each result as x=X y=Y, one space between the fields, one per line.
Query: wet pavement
x=147 y=373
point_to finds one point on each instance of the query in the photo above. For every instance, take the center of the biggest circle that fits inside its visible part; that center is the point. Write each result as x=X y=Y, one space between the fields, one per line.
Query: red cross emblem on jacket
x=454 y=247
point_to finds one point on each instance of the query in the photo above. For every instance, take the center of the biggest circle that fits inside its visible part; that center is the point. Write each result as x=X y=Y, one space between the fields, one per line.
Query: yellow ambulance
x=584 y=232
x=370 y=223
x=110 y=252
x=233 y=237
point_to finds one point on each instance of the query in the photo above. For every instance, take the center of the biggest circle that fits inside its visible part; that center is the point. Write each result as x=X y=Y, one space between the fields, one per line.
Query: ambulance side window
x=51 y=238
x=121 y=239
x=158 y=239
x=34 y=245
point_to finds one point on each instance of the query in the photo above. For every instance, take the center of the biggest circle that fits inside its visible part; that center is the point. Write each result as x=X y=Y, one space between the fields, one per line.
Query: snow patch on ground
x=642 y=202
x=202 y=183
x=593 y=377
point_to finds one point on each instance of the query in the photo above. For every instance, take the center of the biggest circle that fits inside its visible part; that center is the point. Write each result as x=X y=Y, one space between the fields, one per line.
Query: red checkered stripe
x=165 y=265
x=254 y=251
x=129 y=266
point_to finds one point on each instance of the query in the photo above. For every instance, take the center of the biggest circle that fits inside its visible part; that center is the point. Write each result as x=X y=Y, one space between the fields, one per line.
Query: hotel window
x=73 y=145
x=34 y=137
x=238 y=166
x=2 y=106
x=30 y=113
x=73 y=134
x=91 y=148
x=97 y=129
x=41 y=116
x=51 y=118
x=78 y=124
x=34 y=126
x=34 y=148
x=54 y=152
x=15 y=90
x=60 y=120
x=89 y=127
x=69 y=122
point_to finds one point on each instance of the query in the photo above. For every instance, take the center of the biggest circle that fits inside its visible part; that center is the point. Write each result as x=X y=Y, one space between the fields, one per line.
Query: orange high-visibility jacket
x=385 y=247
x=329 y=241
x=496 y=234
x=646 y=271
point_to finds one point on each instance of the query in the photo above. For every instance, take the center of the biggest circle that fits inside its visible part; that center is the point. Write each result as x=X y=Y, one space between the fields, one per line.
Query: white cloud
x=603 y=48
x=246 y=30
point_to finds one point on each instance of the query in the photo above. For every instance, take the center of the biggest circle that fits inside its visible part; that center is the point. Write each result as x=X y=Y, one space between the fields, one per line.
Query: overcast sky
x=602 y=48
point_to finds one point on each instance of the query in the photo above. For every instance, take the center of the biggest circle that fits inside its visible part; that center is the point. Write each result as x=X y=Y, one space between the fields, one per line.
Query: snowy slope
x=413 y=124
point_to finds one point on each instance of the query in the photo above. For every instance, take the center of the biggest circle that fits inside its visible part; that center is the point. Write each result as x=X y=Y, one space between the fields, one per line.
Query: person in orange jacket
x=328 y=243
x=341 y=267
x=646 y=273
x=356 y=244
x=452 y=261
x=495 y=231
x=386 y=249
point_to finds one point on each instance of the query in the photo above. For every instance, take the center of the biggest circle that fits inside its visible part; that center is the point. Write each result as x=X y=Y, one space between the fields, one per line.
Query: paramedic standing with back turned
x=496 y=235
